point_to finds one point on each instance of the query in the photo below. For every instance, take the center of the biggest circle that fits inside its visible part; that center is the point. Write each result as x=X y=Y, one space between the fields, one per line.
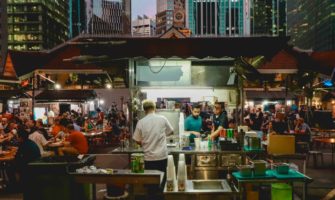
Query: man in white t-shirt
x=150 y=133
x=41 y=142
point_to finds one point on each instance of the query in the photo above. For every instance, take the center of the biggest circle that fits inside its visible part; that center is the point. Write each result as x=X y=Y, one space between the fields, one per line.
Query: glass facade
x=269 y=17
x=108 y=17
x=216 y=17
x=164 y=16
x=3 y=32
x=312 y=24
x=77 y=17
x=36 y=24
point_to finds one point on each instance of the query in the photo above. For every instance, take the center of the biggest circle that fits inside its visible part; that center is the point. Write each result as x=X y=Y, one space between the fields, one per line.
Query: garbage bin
x=47 y=178
x=280 y=191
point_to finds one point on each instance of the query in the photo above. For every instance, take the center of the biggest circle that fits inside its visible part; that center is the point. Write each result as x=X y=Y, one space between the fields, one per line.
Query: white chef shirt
x=152 y=131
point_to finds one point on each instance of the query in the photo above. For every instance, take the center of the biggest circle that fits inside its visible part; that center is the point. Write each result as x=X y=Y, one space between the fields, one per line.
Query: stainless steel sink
x=209 y=186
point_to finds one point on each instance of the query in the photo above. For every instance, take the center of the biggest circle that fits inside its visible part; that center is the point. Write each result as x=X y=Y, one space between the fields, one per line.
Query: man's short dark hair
x=22 y=133
x=221 y=103
x=70 y=127
x=196 y=106
x=64 y=122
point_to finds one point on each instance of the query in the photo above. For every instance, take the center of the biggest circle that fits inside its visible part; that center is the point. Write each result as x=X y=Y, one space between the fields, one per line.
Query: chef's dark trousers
x=156 y=165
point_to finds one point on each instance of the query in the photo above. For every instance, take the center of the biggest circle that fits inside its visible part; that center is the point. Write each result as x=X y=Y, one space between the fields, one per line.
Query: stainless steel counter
x=203 y=189
x=173 y=150
x=201 y=163
x=121 y=176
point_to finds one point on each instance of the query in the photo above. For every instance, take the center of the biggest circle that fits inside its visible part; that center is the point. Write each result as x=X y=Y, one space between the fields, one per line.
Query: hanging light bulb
x=57 y=86
x=108 y=86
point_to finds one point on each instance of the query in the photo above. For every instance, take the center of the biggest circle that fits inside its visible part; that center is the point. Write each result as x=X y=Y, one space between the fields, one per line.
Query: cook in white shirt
x=151 y=132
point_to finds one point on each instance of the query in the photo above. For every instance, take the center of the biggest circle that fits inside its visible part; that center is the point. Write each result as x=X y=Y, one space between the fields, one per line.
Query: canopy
x=269 y=95
x=199 y=47
x=65 y=95
x=8 y=94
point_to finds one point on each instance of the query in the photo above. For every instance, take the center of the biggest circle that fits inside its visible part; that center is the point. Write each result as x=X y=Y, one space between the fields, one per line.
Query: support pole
x=33 y=94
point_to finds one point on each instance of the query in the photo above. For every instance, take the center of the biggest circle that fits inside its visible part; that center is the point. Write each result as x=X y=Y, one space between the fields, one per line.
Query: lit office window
x=19 y=1
x=19 y=37
x=20 y=47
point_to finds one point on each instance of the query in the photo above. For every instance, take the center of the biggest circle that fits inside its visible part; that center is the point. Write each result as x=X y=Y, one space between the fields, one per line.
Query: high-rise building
x=268 y=17
x=3 y=32
x=143 y=26
x=217 y=17
x=108 y=17
x=36 y=24
x=77 y=17
x=311 y=24
x=164 y=16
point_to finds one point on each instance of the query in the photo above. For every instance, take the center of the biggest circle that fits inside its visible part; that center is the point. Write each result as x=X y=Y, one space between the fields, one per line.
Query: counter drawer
x=206 y=160
x=228 y=160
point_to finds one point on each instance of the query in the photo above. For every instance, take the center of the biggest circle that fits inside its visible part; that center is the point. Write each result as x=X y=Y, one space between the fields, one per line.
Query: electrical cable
x=156 y=72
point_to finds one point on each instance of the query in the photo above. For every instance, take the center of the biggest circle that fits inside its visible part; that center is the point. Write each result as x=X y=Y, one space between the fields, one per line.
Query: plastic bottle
x=209 y=143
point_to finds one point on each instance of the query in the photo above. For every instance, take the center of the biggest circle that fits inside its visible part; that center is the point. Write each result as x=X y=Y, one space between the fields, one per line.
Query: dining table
x=330 y=141
x=92 y=136
x=7 y=157
x=55 y=145
x=8 y=154
x=323 y=132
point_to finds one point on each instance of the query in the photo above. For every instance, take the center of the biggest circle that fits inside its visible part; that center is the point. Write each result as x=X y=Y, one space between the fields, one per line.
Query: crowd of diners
x=66 y=130
x=40 y=137
x=64 y=135
x=278 y=122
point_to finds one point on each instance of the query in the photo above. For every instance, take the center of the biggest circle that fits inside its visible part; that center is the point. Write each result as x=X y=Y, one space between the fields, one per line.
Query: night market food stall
x=183 y=72
x=204 y=68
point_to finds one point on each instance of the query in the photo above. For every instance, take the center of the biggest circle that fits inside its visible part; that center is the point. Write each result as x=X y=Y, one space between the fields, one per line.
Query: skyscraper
x=216 y=17
x=143 y=26
x=77 y=17
x=164 y=16
x=269 y=17
x=311 y=24
x=3 y=32
x=107 y=17
x=36 y=25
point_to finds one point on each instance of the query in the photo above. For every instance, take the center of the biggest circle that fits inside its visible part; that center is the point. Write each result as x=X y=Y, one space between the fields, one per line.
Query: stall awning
x=66 y=96
x=8 y=94
x=269 y=95
x=199 y=47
